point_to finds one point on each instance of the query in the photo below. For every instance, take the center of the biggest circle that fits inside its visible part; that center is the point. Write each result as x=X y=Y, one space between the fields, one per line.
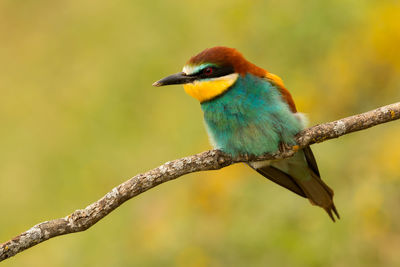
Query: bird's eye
x=208 y=71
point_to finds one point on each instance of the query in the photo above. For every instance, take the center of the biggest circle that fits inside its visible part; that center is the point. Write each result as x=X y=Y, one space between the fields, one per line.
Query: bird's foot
x=284 y=147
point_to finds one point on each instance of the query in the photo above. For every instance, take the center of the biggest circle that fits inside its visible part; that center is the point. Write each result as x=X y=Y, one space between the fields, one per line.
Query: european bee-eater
x=248 y=111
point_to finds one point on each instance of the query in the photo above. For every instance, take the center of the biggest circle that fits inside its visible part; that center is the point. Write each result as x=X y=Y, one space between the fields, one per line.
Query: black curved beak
x=177 y=78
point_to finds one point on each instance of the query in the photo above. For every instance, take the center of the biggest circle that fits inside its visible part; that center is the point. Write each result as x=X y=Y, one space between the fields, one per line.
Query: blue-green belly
x=250 y=118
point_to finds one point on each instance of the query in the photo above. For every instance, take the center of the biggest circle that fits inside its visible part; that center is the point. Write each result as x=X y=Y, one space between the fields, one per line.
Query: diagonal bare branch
x=82 y=219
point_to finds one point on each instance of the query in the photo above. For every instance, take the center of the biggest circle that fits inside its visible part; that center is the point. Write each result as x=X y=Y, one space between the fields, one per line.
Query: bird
x=248 y=111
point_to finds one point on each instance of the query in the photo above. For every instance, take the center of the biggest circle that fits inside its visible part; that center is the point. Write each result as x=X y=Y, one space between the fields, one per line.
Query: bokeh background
x=78 y=116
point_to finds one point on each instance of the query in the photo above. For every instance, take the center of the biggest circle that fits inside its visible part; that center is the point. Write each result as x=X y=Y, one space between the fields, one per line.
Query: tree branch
x=82 y=219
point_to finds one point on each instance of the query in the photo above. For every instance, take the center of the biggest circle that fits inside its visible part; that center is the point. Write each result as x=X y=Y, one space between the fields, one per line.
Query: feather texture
x=250 y=118
x=248 y=110
x=300 y=175
x=253 y=117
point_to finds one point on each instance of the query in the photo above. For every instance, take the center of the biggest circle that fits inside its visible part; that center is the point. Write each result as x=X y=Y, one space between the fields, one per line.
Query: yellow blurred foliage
x=384 y=33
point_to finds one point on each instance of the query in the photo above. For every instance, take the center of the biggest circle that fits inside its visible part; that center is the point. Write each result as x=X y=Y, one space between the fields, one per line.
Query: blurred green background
x=78 y=116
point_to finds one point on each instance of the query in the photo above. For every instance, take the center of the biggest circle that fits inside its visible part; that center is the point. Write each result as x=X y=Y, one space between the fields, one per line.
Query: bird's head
x=212 y=72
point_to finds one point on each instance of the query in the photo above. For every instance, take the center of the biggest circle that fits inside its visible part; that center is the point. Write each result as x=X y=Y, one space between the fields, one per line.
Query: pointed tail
x=300 y=175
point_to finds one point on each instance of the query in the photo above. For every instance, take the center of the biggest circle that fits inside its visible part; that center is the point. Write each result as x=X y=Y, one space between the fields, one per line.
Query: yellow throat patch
x=208 y=89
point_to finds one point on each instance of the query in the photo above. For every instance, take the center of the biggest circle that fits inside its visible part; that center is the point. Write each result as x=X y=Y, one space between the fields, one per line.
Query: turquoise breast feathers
x=250 y=118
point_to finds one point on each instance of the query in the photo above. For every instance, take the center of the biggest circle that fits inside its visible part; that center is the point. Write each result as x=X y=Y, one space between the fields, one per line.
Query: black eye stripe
x=216 y=72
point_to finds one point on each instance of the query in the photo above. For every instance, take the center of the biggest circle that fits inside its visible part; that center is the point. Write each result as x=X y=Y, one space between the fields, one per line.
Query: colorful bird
x=248 y=111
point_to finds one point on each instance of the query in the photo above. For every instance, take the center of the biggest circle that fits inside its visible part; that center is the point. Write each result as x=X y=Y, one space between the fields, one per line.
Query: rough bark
x=82 y=219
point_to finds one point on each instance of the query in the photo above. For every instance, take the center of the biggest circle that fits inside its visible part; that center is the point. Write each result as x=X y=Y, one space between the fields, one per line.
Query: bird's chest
x=244 y=123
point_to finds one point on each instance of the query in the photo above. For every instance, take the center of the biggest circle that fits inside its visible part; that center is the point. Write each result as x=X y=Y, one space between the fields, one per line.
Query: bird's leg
x=283 y=147
x=245 y=156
